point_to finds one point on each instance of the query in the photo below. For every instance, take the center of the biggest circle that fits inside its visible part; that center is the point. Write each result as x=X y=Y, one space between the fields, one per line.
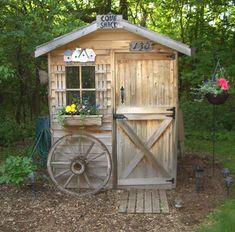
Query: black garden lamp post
x=198 y=174
x=228 y=183
x=225 y=172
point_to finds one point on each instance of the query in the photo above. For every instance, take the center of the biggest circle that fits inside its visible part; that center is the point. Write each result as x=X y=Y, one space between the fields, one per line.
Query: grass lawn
x=223 y=218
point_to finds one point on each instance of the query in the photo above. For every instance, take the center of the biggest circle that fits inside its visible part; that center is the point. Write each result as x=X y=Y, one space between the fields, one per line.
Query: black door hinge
x=119 y=116
x=172 y=180
x=173 y=112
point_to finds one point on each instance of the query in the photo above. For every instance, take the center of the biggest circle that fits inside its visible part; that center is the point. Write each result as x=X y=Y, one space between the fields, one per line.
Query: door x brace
x=144 y=148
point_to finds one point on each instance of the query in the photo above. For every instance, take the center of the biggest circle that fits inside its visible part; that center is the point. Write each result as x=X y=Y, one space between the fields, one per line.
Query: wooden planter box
x=88 y=120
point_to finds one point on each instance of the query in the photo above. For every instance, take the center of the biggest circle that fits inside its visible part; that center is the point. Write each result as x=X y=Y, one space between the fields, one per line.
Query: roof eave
x=62 y=40
x=156 y=37
x=144 y=32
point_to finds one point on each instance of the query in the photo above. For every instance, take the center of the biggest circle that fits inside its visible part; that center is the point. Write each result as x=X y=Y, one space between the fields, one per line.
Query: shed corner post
x=114 y=126
x=175 y=145
x=49 y=93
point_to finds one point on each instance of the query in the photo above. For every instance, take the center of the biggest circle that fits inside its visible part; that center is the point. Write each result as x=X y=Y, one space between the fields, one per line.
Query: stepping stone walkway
x=143 y=201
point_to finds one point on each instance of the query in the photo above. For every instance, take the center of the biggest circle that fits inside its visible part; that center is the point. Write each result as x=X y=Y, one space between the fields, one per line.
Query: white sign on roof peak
x=109 y=21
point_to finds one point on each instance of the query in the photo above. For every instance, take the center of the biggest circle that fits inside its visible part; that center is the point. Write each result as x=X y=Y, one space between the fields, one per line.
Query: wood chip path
x=143 y=201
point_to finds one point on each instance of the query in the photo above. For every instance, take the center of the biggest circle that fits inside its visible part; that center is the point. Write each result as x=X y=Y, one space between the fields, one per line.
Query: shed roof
x=142 y=31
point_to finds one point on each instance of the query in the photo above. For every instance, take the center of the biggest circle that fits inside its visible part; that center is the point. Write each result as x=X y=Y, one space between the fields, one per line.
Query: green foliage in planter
x=15 y=169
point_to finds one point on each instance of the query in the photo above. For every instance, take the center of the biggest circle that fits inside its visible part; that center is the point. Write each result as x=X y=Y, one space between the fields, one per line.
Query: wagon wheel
x=79 y=164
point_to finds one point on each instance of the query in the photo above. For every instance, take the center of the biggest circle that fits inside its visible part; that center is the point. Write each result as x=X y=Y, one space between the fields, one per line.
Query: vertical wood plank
x=163 y=199
x=148 y=201
x=123 y=202
x=155 y=201
x=132 y=202
x=140 y=201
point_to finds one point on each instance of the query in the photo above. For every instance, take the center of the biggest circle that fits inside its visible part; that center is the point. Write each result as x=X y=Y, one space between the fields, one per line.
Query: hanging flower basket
x=81 y=120
x=217 y=99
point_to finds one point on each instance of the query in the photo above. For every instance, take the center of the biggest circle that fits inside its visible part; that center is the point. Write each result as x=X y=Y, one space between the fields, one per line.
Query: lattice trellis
x=102 y=71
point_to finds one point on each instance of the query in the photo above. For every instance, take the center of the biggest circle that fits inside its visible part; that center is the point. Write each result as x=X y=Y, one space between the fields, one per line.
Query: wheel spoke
x=68 y=180
x=61 y=154
x=69 y=145
x=89 y=149
x=60 y=162
x=78 y=181
x=97 y=177
x=96 y=156
x=79 y=146
x=62 y=173
x=87 y=180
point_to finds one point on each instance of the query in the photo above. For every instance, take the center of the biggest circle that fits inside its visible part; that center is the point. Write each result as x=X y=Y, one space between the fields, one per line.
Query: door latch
x=122 y=93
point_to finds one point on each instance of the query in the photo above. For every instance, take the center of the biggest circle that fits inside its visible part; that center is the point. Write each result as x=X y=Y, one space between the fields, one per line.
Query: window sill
x=87 y=120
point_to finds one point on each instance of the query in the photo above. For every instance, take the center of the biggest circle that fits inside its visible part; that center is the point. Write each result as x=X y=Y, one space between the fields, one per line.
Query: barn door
x=145 y=120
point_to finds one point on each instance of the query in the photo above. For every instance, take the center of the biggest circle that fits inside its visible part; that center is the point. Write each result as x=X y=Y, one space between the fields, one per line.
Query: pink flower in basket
x=223 y=83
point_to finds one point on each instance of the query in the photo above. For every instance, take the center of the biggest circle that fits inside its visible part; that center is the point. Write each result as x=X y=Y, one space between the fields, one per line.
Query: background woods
x=208 y=26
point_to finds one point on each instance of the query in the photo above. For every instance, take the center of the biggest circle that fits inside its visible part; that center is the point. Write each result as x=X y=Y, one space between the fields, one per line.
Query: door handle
x=122 y=94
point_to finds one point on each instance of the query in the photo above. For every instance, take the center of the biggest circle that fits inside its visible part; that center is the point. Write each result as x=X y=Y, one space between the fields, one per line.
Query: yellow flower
x=73 y=110
x=68 y=109
x=73 y=106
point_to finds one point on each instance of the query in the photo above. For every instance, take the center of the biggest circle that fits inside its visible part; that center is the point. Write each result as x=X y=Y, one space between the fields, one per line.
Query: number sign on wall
x=144 y=46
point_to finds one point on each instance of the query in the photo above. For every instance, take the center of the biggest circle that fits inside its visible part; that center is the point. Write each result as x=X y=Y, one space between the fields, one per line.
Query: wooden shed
x=134 y=78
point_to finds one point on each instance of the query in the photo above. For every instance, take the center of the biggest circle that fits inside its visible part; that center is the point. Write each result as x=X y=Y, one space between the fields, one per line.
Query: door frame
x=114 y=111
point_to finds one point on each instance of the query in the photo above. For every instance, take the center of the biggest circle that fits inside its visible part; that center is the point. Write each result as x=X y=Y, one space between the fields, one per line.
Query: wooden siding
x=103 y=44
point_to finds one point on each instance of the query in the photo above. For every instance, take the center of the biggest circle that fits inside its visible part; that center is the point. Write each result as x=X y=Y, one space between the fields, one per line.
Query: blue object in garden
x=42 y=142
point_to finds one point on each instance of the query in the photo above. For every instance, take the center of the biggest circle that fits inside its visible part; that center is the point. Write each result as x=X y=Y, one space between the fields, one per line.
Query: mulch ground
x=51 y=210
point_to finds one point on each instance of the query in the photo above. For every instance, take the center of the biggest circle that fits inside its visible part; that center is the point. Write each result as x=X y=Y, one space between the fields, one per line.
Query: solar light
x=178 y=202
x=228 y=183
x=31 y=180
x=225 y=172
x=198 y=174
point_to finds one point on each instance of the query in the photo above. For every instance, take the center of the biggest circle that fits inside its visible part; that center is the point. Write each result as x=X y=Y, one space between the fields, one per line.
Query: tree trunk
x=36 y=95
x=123 y=9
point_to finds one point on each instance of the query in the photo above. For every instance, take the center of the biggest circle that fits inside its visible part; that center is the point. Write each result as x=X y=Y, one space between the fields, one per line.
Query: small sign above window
x=109 y=21
x=139 y=46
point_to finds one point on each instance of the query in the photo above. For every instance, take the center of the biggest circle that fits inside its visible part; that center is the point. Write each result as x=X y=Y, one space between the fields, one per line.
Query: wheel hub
x=78 y=166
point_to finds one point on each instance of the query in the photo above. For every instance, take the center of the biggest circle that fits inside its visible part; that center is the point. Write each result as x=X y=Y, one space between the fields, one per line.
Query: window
x=80 y=83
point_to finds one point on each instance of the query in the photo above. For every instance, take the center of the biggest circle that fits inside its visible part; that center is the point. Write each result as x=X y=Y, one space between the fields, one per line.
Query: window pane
x=89 y=96
x=72 y=78
x=72 y=97
x=88 y=77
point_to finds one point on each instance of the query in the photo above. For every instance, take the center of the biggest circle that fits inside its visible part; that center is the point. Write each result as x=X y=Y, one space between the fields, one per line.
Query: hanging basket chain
x=219 y=70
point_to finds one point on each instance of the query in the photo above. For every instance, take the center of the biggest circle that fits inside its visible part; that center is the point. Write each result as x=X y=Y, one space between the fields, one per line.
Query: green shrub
x=11 y=132
x=199 y=115
x=15 y=170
